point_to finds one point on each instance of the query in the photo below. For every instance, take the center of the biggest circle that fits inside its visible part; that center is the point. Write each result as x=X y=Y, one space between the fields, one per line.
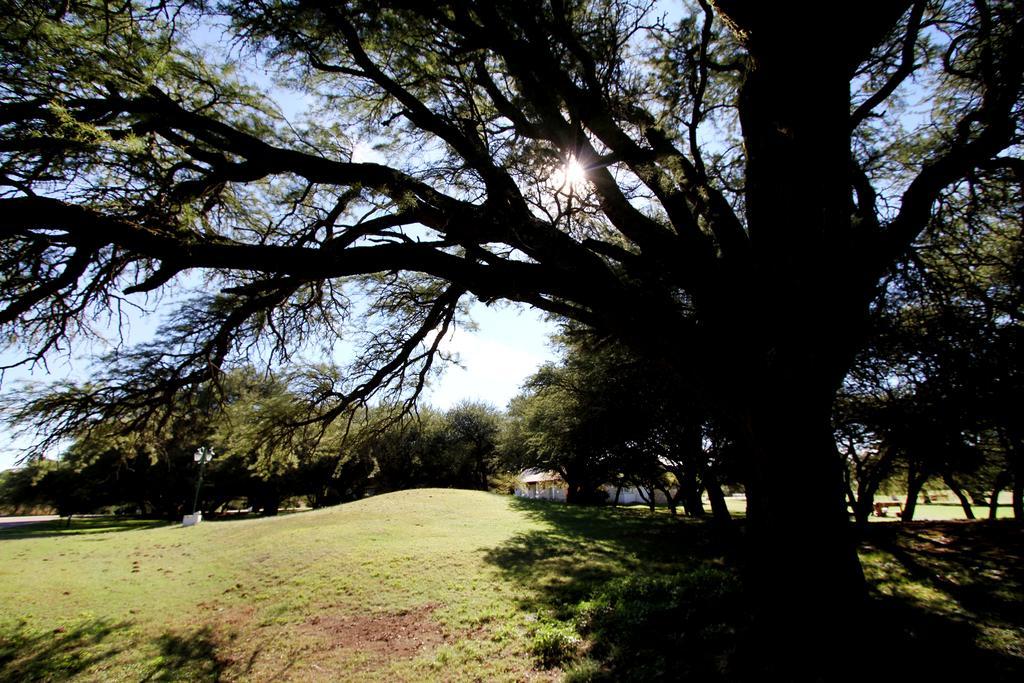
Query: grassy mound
x=456 y=585
x=382 y=588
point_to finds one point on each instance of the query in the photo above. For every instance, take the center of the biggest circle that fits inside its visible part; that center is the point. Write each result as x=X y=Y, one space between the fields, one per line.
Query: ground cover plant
x=458 y=585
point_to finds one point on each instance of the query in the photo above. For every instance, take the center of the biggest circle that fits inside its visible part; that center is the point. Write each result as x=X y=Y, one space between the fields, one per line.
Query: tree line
x=602 y=418
x=153 y=473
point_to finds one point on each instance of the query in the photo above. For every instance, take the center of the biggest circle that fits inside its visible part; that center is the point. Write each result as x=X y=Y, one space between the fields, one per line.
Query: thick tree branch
x=902 y=72
x=507 y=279
x=983 y=133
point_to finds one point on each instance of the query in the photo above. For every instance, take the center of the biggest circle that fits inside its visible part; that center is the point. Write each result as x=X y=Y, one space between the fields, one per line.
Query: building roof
x=536 y=476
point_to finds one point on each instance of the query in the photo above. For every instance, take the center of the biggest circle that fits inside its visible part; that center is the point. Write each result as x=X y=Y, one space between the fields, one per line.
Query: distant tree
x=471 y=432
x=454 y=449
x=545 y=432
x=869 y=460
x=912 y=408
x=250 y=420
x=70 y=486
x=605 y=415
x=19 y=492
x=330 y=481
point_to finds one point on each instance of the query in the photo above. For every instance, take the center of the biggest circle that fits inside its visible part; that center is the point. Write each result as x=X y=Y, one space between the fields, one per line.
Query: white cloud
x=508 y=347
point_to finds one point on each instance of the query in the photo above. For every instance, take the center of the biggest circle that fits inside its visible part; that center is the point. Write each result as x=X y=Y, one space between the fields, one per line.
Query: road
x=8 y=522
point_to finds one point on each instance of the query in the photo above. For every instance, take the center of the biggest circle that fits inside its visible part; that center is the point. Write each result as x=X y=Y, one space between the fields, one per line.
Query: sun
x=571 y=177
x=575 y=174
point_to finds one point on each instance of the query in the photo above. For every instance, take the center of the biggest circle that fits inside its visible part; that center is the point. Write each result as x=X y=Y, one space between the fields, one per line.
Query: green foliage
x=148 y=467
x=265 y=453
x=607 y=414
x=457 y=448
x=585 y=670
x=19 y=490
x=569 y=421
x=671 y=627
x=554 y=644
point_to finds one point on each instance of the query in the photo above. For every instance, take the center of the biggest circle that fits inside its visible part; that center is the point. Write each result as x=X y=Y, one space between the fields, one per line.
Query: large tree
x=723 y=191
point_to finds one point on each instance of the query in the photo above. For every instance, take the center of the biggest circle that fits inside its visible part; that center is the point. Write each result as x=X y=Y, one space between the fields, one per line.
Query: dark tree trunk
x=647 y=495
x=804 y=567
x=864 y=506
x=1018 y=498
x=851 y=499
x=977 y=497
x=803 y=564
x=720 y=518
x=869 y=478
x=800 y=300
x=689 y=473
x=719 y=510
x=572 y=493
x=580 y=493
x=1002 y=479
x=670 y=500
x=915 y=482
x=690 y=493
x=955 y=487
x=1013 y=442
x=861 y=502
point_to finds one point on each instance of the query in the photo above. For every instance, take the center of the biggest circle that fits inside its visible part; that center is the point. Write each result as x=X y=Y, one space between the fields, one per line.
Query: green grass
x=951 y=594
x=447 y=585
x=331 y=594
x=78 y=526
x=940 y=512
x=936 y=512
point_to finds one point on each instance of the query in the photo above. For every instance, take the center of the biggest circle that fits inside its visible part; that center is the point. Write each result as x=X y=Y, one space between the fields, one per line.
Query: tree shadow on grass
x=651 y=593
x=657 y=601
x=28 y=654
x=951 y=601
x=32 y=654
x=190 y=657
x=79 y=526
x=581 y=548
x=978 y=564
x=910 y=641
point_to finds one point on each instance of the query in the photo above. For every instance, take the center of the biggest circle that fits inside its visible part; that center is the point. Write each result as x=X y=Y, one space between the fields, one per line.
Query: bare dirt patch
x=393 y=635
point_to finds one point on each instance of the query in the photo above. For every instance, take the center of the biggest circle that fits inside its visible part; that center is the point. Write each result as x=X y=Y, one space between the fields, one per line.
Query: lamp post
x=202 y=456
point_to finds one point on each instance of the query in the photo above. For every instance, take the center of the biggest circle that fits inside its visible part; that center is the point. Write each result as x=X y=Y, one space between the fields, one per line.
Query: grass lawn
x=426 y=585
x=934 y=512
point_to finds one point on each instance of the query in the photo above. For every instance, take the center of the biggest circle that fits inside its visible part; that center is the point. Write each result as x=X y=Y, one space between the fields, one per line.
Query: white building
x=541 y=485
x=545 y=485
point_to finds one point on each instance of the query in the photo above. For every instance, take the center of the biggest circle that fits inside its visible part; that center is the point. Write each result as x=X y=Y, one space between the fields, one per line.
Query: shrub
x=554 y=644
